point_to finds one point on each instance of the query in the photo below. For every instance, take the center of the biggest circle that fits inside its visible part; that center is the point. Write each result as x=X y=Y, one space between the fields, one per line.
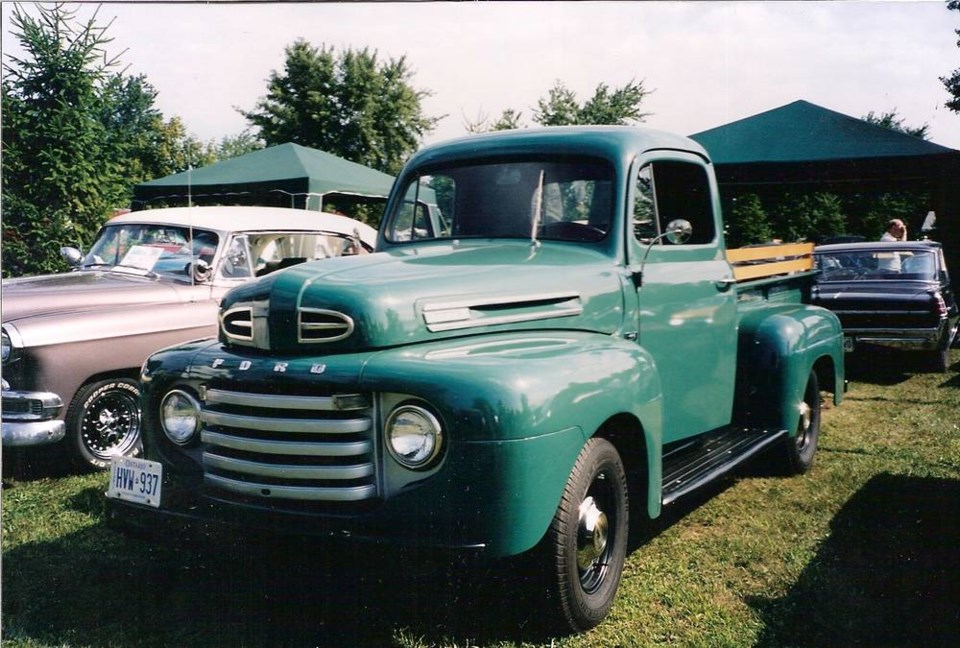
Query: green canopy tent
x=287 y=175
x=807 y=147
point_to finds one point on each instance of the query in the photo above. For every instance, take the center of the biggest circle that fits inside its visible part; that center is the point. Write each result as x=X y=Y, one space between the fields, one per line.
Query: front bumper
x=32 y=418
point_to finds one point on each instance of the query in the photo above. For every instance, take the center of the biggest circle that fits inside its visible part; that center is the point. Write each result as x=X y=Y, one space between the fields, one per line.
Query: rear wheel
x=104 y=420
x=587 y=540
x=798 y=450
x=940 y=360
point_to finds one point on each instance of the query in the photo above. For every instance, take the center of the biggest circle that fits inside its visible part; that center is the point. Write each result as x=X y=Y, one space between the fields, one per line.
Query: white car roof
x=250 y=219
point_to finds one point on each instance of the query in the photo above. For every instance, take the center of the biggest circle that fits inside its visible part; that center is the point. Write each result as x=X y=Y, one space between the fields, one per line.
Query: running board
x=696 y=464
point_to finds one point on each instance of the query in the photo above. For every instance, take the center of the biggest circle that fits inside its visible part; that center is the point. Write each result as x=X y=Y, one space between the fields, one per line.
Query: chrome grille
x=284 y=447
x=320 y=325
x=237 y=323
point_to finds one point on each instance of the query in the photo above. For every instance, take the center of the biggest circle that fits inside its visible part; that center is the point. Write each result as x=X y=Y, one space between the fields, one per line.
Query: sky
x=706 y=63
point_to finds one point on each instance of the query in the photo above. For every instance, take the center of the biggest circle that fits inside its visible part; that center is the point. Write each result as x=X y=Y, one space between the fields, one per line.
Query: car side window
x=668 y=190
x=236 y=260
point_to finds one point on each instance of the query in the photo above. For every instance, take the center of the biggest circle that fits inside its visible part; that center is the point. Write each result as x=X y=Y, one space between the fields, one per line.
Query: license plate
x=848 y=344
x=135 y=480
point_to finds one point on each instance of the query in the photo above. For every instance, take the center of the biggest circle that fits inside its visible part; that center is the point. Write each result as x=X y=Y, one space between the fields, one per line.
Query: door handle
x=724 y=284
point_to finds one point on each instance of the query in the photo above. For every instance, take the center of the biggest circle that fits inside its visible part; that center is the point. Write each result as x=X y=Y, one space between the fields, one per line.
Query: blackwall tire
x=587 y=540
x=940 y=360
x=798 y=451
x=104 y=420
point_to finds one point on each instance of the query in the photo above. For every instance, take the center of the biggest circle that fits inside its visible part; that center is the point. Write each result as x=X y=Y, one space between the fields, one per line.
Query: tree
x=811 y=217
x=233 y=146
x=348 y=104
x=509 y=120
x=561 y=107
x=952 y=82
x=77 y=135
x=892 y=121
x=748 y=222
x=618 y=107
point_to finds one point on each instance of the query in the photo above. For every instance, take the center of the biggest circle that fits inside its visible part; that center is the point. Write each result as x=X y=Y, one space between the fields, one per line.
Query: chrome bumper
x=927 y=338
x=30 y=418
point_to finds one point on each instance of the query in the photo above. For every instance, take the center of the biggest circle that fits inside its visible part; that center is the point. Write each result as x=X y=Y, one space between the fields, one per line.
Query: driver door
x=687 y=304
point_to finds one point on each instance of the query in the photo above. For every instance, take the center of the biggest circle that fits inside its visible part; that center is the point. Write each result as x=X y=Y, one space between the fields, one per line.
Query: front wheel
x=587 y=540
x=798 y=450
x=104 y=420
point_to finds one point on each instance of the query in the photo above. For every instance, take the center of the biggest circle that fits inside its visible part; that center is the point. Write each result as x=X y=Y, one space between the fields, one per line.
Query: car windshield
x=165 y=250
x=873 y=264
x=569 y=200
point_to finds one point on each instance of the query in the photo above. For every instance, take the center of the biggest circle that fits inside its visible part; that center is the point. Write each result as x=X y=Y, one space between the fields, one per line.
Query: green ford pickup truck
x=550 y=342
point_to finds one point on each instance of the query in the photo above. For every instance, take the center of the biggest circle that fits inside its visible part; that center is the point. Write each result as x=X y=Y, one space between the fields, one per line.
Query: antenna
x=537 y=207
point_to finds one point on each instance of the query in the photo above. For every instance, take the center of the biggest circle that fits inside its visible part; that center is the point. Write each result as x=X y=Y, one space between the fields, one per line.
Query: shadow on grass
x=39 y=462
x=887 y=575
x=885 y=366
x=100 y=587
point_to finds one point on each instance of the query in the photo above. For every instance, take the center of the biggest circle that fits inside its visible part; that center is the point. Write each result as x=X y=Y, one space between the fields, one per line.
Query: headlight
x=7 y=349
x=413 y=435
x=180 y=416
x=12 y=345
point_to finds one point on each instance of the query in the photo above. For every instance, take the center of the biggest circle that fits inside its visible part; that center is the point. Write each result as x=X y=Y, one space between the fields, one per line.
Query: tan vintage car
x=73 y=343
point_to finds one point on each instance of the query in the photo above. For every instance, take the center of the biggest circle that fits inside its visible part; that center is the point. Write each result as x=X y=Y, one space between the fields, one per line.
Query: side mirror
x=678 y=231
x=72 y=256
x=201 y=270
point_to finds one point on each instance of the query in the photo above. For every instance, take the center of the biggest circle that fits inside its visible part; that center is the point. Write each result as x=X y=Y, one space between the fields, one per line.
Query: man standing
x=896 y=231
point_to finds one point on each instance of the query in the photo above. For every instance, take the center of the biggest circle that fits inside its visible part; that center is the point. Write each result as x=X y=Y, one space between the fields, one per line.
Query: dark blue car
x=890 y=294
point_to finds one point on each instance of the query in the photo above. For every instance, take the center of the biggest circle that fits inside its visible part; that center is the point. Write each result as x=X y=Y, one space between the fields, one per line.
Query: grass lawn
x=862 y=550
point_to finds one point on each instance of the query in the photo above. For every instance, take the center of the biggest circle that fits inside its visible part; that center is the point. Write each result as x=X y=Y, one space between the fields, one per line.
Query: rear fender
x=778 y=347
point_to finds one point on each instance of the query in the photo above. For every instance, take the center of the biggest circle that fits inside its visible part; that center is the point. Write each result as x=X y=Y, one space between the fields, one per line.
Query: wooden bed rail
x=769 y=260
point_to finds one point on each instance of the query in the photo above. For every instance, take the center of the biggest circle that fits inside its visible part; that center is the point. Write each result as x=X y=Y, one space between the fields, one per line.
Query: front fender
x=518 y=410
x=778 y=347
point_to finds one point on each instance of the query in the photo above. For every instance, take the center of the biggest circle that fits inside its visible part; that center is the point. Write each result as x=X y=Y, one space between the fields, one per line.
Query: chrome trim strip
x=335 y=494
x=265 y=424
x=347 y=325
x=287 y=471
x=882 y=312
x=299 y=448
x=237 y=309
x=501 y=300
x=276 y=401
x=461 y=314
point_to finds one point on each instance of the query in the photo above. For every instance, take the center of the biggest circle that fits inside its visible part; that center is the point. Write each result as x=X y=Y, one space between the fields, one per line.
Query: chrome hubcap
x=592 y=533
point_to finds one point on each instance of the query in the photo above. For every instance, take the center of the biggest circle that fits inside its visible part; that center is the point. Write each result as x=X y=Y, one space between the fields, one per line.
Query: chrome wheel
x=105 y=421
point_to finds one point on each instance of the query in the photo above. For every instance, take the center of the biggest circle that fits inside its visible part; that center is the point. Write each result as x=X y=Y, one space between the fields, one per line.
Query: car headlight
x=6 y=350
x=180 y=416
x=12 y=345
x=414 y=436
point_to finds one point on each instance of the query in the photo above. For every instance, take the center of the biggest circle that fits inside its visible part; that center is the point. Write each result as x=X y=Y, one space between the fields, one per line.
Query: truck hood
x=425 y=293
x=82 y=291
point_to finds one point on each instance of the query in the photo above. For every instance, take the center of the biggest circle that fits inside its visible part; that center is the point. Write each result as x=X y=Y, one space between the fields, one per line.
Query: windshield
x=568 y=200
x=853 y=265
x=165 y=250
